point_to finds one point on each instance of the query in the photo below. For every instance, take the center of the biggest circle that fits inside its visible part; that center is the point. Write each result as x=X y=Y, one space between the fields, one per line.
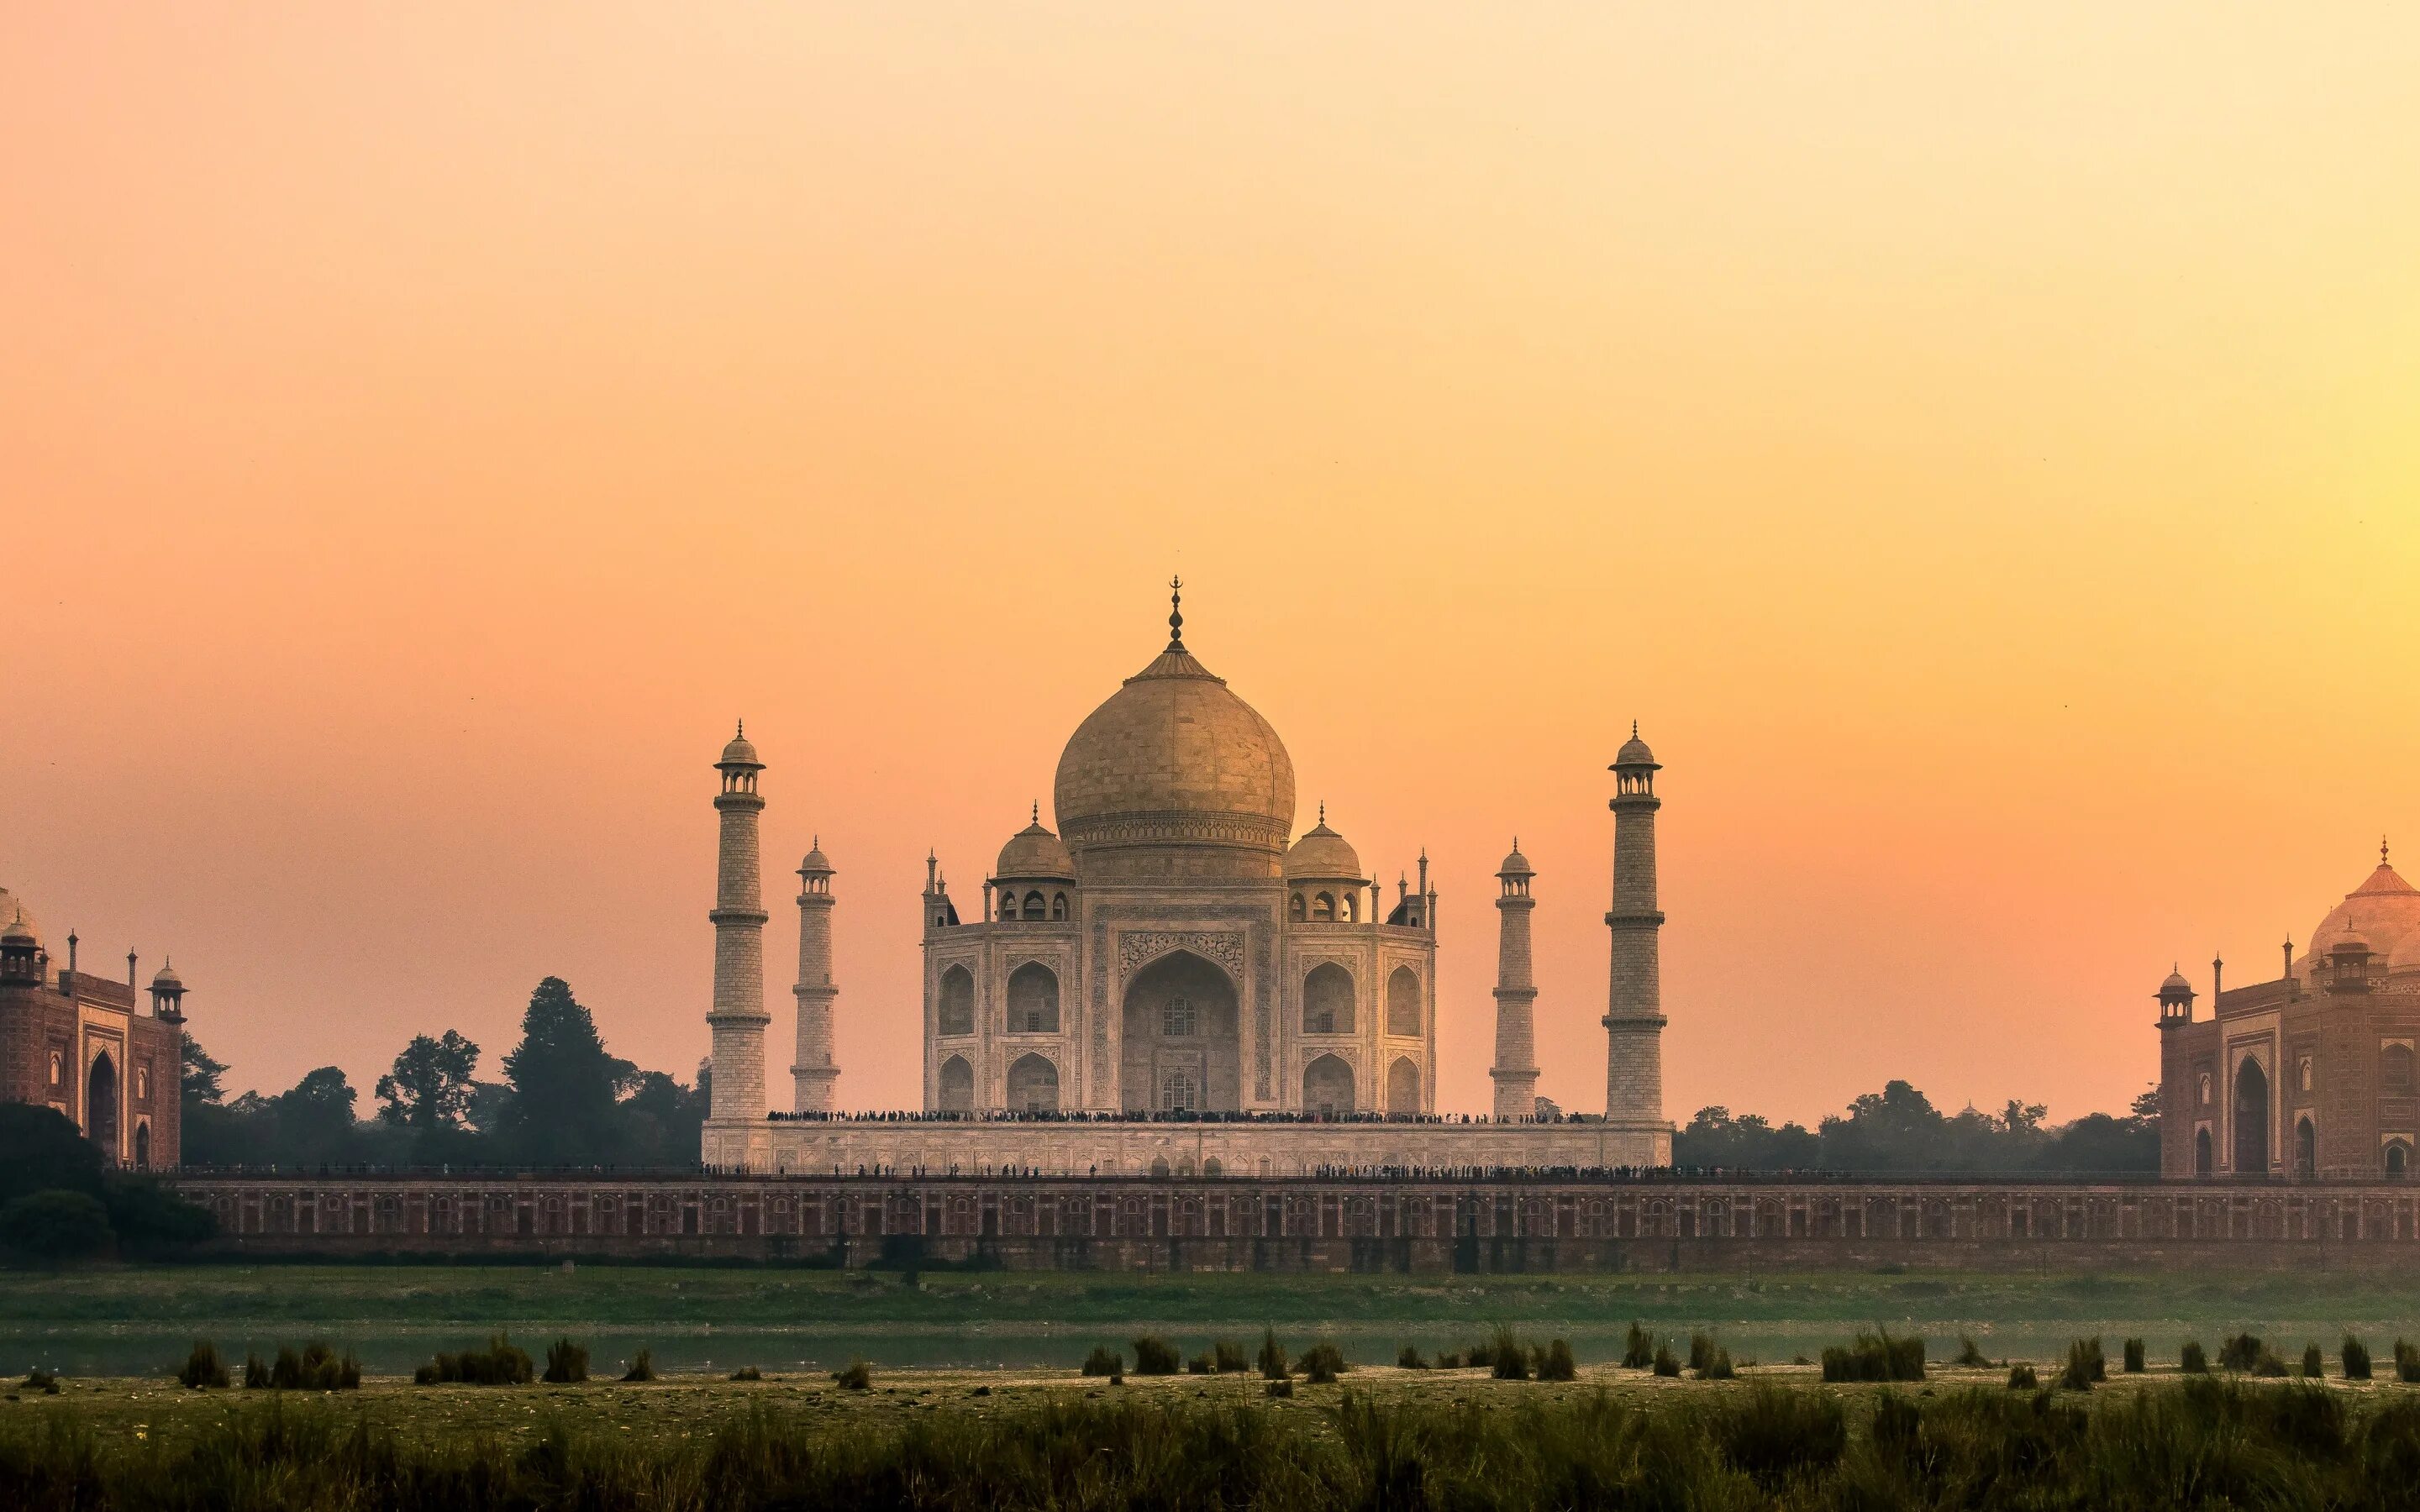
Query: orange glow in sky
x=1977 y=443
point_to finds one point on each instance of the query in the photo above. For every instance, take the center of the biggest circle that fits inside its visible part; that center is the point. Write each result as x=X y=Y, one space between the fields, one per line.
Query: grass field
x=1380 y=1438
x=134 y=1320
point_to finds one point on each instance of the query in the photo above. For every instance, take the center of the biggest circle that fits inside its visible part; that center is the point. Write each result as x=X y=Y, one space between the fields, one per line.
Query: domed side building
x=2311 y=1075
x=1168 y=949
x=84 y=1044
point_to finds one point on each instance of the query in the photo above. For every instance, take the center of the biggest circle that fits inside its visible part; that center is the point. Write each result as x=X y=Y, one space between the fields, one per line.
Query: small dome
x=739 y=752
x=165 y=980
x=1633 y=752
x=1324 y=854
x=2175 y=982
x=19 y=932
x=15 y=916
x=1034 y=853
x=817 y=860
x=1515 y=865
x=2349 y=938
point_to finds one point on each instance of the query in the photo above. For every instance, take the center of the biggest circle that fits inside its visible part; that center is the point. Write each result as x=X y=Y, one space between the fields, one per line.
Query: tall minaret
x=739 y=1016
x=811 y=1078
x=1517 y=1043
x=1633 y=1015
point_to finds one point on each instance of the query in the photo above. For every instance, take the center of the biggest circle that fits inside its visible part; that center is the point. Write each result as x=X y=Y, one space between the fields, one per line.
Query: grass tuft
x=203 y=1368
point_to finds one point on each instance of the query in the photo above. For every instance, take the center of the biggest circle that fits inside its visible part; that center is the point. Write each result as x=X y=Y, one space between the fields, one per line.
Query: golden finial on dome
x=1175 y=613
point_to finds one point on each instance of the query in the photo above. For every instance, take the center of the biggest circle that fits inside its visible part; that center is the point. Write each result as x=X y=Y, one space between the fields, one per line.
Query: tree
x=430 y=1087
x=1896 y=1128
x=315 y=1118
x=56 y=1225
x=198 y=1076
x=566 y=1088
x=665 y=1120
x=41 y=1148
x=1748 y=1142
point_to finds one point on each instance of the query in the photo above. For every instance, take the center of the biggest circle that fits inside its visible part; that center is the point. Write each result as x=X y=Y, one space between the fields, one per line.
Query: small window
x=2303 y=1072
x=1007 y=905
x=143 y=1084
x=2204 y=1092
x=1177 y=1094
x=1323 y=909
x=1057 y=905
x=1033 y=905
x=2395 y=1069
x=1176 y=1019
x=58 y=1069
x=1297 y=910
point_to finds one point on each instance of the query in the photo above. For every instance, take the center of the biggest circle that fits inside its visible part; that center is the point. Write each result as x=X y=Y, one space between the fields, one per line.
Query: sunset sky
x=1977 y=443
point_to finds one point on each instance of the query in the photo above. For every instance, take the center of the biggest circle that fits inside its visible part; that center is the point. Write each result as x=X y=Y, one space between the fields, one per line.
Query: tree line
x=563 y=1100
x=1898 y=1129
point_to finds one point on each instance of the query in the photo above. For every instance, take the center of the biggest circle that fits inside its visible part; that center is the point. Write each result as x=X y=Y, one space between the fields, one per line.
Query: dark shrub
x=501 y=1364
x=2315 y=1365
x=1773 y=1433
x=202 y=1366
x=42 y=1381
x=855 y=1376
x=1510 y=1360
x=255 y=1373
x=1104 y=1361
x=566 y=1364
x=2269 y=1365
x=1273 y=1356
x=1875 y=1357
x=1322 y=1363
x=319 y=1367
x=2407 y=1361
x=2134 y=1365
x=1227 y=1355
x=1448 y=1361
x=642 y=1367
x=1156 y=1356
x=2022 y=1378
x=1969 y=1353
x=2356 y=1359
x=1408 y=1358
x=1637 y=1350
x=1666 y=1362
x=2085 y=1366
x=1481 y=1356
x=2191 y=1360
x=1279 y=1386
x=1701 y=1349
x=2241 y=1353
x=1719 y=1367
x=1202 y=1365
x=53 y=1226
x=1555 y=1362
x=746 y=1372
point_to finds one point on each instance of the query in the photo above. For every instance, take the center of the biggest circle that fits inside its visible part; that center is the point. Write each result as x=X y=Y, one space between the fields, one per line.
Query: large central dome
x=1174 y=763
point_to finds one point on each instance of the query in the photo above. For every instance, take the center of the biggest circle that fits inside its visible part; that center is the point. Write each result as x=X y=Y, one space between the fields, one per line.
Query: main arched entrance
x=100 y=1107
x=2251 y=1113
x=1327 y=1086
x=1183 y=1042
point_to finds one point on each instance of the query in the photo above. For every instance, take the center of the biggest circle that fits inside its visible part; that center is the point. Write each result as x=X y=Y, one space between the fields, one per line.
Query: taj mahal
x=1175 y=982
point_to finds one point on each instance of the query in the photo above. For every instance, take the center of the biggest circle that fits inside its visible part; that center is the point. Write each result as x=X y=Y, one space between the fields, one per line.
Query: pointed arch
x=101 y=1105
x=1327 y=1086
x=956 y=1013
x=1402 y=1085
x=1033 y=1085
x=1404 y=1002
x=2250 y=1113
x=1034 y=999
x=1327 y=999
x=957 y=1086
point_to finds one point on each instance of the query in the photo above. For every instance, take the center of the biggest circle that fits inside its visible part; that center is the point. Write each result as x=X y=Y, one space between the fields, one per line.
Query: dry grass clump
x=501 y=1364
x=642 y=1367
x=566 y=1364
x=1876 y=1356
x=203 y=1368
x=1156 y=1356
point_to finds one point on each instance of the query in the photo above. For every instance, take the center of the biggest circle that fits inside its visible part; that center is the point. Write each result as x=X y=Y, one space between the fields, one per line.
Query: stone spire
x=812 y=1076
x=1634 y=1015
x=1516 y=1047
x=739 y=1017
